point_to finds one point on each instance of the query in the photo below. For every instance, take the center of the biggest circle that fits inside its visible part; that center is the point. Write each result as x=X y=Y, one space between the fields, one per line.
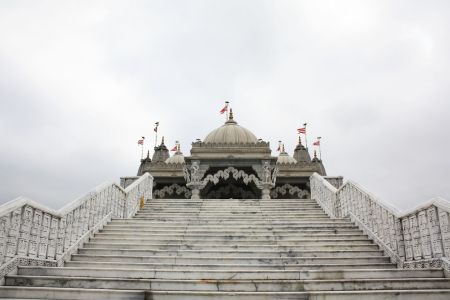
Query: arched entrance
x=231 y=183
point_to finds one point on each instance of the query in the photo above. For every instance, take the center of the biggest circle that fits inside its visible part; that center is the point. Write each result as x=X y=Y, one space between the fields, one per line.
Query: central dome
x=231 y=133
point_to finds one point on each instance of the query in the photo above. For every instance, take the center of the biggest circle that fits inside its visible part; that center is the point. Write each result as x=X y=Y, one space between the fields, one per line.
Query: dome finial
x=315 y=154
x=299 y=140
x=231 y=114
x=162 y=141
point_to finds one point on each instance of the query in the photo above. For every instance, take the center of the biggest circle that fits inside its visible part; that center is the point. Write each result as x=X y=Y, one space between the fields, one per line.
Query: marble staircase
x=224 y=249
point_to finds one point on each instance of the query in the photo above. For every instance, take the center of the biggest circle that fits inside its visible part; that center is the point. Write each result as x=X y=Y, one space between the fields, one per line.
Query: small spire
x=231 y=114
x=148 y=153
x=282 y=148
x=162 y=141
x=315 y=154
x=299 y=140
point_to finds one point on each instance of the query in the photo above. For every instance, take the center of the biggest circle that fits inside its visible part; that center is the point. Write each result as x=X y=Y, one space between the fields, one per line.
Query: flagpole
x=156 y=133
x=142 y=148
x=306 y=132
x=227 y=103
x=320 y=148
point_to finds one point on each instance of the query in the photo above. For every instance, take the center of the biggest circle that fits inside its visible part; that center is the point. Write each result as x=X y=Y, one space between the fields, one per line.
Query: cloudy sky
x=81 y=81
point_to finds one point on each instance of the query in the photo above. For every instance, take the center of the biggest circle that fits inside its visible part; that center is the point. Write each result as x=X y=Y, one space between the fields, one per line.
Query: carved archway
x=173 y=191
x=288 y=191
x=231 y=183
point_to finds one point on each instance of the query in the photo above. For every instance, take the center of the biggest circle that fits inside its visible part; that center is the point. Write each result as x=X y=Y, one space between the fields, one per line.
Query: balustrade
x=34 y=234
x=419 y=238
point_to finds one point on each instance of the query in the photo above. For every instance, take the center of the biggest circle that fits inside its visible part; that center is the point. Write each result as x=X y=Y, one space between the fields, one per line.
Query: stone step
x=15 y=292
x=228 y=224
x=234 y=240
x=230 y=247
x=227 y=214
x=230 y=253
x=175 y=260
x=236 y=235
x=234 y=274
x=303 y=226
x=229 y=285
x=234 y=217
x=180 y=267
x=230 y=237
x=233 y=205
x=254 y=208
x=222 y=229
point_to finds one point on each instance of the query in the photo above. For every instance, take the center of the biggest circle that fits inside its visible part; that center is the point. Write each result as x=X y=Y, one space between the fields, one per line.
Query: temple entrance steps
x=228 y=249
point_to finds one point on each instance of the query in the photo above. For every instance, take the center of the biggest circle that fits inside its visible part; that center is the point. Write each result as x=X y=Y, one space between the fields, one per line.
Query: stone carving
x=173 y=189
x=418 y=239
x=235 y=173
x=288 y=189
x=30 y=233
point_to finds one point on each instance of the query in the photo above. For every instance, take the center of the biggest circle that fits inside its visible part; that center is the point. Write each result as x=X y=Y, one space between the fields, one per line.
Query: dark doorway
x=230 y=188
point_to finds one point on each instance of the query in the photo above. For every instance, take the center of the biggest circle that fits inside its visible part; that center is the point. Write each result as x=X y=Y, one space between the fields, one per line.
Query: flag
x=301 y=130
x=225 y=108
x=316 y=143
x=174 y=148
x=141 y=142
x=156 y=127
x=279 y=146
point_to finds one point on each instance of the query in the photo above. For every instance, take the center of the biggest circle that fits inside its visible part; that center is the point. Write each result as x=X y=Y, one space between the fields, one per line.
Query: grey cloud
x=82 y=80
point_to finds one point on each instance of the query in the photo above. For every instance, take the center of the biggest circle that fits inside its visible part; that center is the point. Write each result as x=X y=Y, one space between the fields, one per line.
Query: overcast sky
x=81 y=81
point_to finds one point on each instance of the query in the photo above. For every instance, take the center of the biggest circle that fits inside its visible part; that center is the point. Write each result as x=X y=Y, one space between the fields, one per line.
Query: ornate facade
x=230 y=163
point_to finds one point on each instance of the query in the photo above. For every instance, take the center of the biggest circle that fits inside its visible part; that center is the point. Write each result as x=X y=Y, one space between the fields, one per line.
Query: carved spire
x=231 y=114
x=162 y=141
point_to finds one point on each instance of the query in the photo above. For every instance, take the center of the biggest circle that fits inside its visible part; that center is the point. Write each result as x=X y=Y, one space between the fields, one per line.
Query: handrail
x=32 y=231
x=325 y=194
x=418 y=237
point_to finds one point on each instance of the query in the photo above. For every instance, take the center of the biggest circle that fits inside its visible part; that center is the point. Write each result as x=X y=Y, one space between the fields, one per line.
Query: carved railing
x=32 y=234
x=325 y=194
x=419 y=238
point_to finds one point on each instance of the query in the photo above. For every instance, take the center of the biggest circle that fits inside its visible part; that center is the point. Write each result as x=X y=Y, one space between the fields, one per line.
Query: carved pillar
x=269 y=177
x=193 y=177
x=195 y=192
x=266 y=187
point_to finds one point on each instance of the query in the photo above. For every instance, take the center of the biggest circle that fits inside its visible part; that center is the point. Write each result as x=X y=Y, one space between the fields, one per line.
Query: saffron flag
x=141 y=142
x=174 y=148
x=302 y=130
x=225 y=108
x=156 y=127
x=316 y=143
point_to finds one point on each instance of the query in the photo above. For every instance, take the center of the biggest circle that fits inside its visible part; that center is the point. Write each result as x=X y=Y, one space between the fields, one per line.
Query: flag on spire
x=156 y=127
x=141 y=141
x=225 y=108
x=316 y=143
x=279 y=146
x=174 y=148
x=301 y=130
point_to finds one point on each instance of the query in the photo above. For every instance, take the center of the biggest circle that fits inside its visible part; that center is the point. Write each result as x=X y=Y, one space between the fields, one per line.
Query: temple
x=231 y=162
